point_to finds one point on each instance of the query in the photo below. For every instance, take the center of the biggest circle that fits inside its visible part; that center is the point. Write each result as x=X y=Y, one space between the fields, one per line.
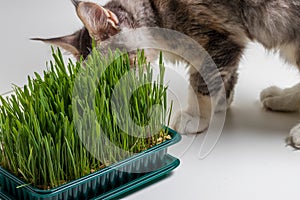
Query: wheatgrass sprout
x=39 y=138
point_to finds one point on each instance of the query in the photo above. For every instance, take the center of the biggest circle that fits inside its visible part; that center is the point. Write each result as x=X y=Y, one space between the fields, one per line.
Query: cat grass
x=47 y=127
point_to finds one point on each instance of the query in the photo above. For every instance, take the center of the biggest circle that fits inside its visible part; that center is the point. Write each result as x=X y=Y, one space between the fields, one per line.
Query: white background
x=250 y=161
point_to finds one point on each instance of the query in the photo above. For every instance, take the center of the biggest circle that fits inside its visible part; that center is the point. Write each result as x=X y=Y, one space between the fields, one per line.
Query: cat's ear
x=100 y=22
x=70 y=43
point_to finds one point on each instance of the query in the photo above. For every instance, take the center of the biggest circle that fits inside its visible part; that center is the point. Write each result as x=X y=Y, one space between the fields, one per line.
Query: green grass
x=78 y=118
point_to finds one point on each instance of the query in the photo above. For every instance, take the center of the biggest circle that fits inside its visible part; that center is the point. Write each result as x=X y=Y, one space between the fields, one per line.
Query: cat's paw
x=186 y=123
x=294 y=137
x=277 y=99
x=270 y=92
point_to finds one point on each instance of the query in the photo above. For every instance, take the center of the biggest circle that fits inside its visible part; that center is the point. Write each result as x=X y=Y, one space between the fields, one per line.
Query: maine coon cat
x=222 y=27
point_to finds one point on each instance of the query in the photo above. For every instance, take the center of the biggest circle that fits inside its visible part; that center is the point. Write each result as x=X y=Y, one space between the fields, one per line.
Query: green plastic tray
x=171 y=163
x=120 y=178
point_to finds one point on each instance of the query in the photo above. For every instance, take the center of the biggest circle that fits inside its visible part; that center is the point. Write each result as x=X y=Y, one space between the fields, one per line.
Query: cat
x=222 y=27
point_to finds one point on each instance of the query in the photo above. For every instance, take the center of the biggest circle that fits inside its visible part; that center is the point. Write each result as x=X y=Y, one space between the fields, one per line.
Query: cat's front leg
x=205 y=98
x=277 y=99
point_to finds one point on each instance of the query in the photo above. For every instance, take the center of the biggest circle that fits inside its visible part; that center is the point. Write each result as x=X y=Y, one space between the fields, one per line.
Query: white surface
x=250 y=161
